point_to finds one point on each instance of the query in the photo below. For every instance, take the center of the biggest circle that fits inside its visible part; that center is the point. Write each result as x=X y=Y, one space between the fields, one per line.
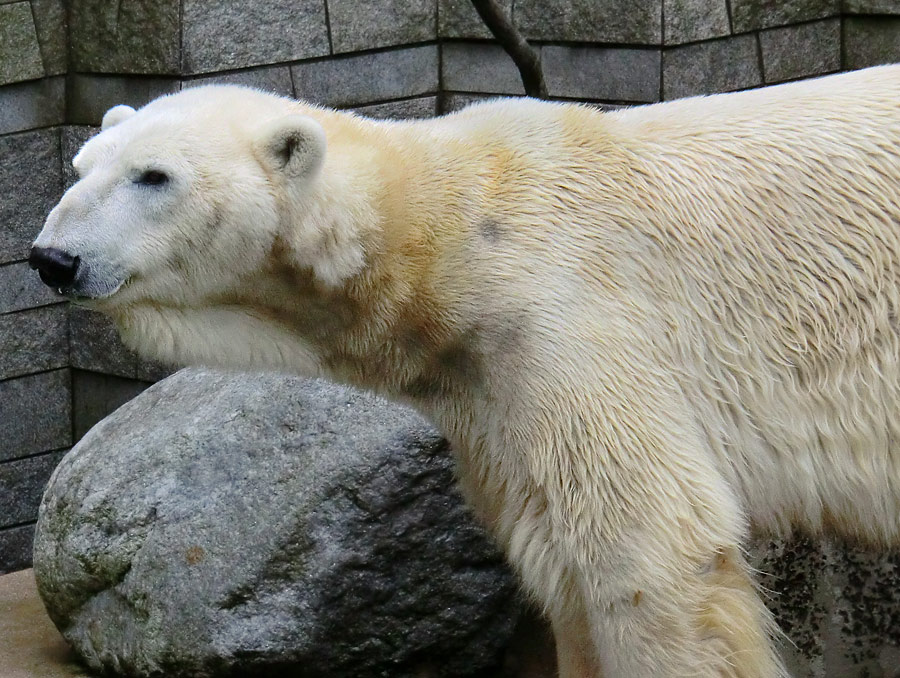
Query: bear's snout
x=56 y=267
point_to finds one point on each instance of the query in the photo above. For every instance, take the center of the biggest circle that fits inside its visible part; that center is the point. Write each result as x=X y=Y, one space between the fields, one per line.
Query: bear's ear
x=294 y=144
x=115 y=115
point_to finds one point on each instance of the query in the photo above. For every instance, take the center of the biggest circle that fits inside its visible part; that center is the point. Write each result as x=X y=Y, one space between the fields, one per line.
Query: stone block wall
x=64 y=62
x=35 y=382
x=643 y=51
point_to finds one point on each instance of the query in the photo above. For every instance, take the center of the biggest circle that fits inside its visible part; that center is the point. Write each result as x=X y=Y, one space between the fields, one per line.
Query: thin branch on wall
x=524 y=55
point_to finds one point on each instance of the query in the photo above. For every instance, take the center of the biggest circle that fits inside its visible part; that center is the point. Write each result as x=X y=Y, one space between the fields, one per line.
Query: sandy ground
x=30 y=646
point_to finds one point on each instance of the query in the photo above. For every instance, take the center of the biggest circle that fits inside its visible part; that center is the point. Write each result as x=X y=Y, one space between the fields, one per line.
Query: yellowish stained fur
x=643 y=331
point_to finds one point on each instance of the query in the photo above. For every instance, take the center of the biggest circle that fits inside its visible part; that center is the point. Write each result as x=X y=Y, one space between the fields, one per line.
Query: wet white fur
x=645 y=332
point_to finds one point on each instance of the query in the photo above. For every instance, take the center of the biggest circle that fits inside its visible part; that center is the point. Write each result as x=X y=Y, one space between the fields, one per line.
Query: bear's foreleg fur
x=638 y=606
x=621 y=527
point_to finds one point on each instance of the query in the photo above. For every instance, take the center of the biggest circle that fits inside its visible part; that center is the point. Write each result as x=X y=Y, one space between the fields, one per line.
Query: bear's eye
x=152 y=178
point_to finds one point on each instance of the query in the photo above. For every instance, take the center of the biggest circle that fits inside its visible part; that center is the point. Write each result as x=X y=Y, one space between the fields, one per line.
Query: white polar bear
x=643 y=331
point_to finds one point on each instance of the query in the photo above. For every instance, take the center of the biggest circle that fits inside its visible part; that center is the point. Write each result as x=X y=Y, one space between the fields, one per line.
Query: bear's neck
x=405 y=323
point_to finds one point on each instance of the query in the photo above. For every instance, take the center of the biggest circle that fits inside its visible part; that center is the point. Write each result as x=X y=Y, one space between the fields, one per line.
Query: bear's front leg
x=576 y=656
x=708 y=623
x=651 y=602
x=631 y=540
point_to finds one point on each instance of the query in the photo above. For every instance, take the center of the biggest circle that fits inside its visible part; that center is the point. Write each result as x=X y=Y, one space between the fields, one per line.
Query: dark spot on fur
x=319 y=313
x=459 y=360
x=455 y=365
x=492 y=230
x=413 y=343
x=425 y=387
x=508 y=337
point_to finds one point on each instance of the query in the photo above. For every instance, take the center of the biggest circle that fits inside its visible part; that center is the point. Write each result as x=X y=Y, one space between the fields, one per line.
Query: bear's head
x=188 y=195
x=191 y=203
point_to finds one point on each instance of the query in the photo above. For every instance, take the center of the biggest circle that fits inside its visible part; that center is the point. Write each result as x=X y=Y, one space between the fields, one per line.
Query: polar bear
x=646 y=332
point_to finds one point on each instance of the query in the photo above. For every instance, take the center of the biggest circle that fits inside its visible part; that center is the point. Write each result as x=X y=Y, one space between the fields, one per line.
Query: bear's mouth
x=84 y=292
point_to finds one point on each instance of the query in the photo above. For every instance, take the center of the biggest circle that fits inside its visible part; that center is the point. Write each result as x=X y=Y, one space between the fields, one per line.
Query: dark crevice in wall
x=394 y=100
x=33 y=455
x=293 y=83
x=759 y=57
x=328 y=28
x=30 y=308
x=843 y=38
x=662 y=31
x=441 y=93
x=35 y=372
x=441 y=41
x=16 y=526
x=181 y=35
x=36 y=128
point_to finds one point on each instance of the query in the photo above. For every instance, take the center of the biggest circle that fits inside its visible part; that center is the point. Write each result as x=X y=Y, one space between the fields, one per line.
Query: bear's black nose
x=57 y=268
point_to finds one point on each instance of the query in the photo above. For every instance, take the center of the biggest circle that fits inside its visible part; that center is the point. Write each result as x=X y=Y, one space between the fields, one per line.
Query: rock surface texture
x=261 y=525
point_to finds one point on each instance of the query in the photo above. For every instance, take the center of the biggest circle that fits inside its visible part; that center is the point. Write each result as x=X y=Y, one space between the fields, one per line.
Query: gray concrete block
x=458 y=19
x=72 y=138
x=455 y=101
x=30 y=184
x=613 y=74
x=380 y=23
x=871 y=7
x=22 y=484
x=33 y=104
x=35 y=414
x=20 y=54
x=275 y=79
x=33 y=341
x=368 y=78
x=151 y=372
x=95 y=346
x=420 y=107
x=802 y=50
x=21 y=288
x=636 y=22
x=752 y=15
x=869 y=41
x=50 y=21
x=15 y=548
x=96 y=395
x=707 y=67
x=234 y=34
x=128 y=36
x=90 y=96
x=694 y=20
x=478 y=67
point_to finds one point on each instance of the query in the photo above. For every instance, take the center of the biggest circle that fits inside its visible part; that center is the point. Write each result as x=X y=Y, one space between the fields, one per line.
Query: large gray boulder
x=235 y=524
